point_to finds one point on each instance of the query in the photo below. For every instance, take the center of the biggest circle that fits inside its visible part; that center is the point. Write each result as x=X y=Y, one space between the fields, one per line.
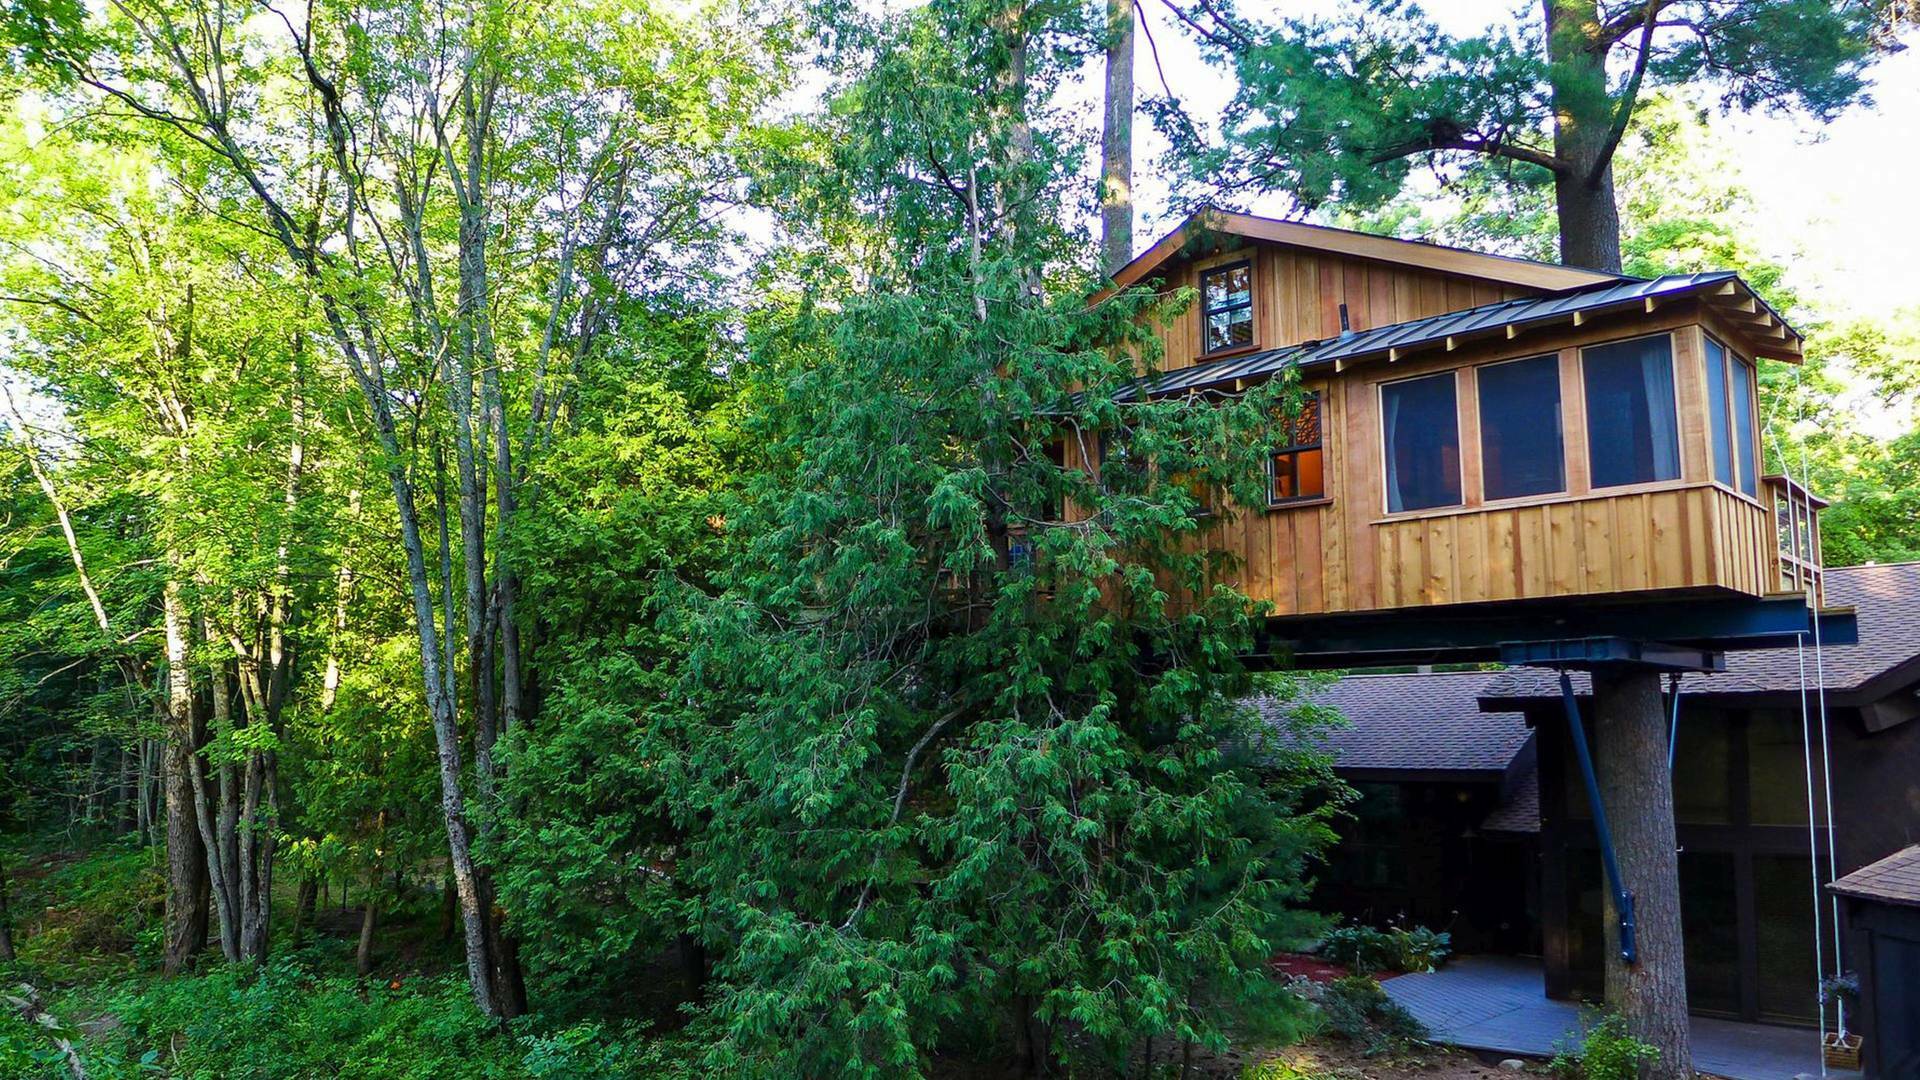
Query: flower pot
x=1842 y=1051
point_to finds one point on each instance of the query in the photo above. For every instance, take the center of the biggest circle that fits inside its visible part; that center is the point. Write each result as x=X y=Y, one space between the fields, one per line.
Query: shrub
x=1609 y=1052
x=1364 y=950
x=1358 y=1010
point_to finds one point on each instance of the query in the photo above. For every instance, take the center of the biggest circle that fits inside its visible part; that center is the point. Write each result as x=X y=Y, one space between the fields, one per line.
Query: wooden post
x=1630 y=731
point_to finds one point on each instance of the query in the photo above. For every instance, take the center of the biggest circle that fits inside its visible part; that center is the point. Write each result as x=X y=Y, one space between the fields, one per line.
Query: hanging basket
x=1842 y=1051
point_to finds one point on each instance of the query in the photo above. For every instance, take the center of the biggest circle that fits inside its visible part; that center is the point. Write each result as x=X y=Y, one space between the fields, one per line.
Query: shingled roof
x=1894 y=879
x=1425 y=723
x=1886 y=659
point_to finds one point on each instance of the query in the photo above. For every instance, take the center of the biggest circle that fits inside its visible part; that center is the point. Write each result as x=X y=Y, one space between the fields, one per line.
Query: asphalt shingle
x=1416 y=722
x=1894 y=879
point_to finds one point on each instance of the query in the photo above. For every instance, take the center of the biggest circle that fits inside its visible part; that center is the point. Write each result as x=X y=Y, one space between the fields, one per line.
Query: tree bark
x=304 y=904
x=1116 y=142
x=6 y=920
x=1635 y=788
x=187 y=893
x=363 y=955
x=1582 y=118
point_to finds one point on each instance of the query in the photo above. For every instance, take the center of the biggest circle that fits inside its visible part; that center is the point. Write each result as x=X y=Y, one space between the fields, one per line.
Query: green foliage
x=1358 y=1010
x=1608 y=1052
x=1341 y=110
x=1365 y=950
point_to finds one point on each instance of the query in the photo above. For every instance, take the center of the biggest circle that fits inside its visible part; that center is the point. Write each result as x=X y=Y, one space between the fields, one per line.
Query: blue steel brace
x=1622 y=899
x=1673 y=724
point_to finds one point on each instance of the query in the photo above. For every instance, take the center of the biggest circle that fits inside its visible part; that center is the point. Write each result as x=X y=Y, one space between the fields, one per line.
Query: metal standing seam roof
x=1425 y=331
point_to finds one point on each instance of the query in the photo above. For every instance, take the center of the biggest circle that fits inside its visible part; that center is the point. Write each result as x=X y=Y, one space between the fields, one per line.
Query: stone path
x=1498 y=1003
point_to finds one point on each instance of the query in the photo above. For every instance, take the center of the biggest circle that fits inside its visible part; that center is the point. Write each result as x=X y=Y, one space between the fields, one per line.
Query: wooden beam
x=1393 y=354
x=1450 y=343
x=1726 y=288
x=1652 y=302
x=1579 y=318
x=1513 y=331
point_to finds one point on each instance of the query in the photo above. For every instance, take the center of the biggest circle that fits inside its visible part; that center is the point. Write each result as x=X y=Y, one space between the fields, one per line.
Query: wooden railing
x=1796 y=520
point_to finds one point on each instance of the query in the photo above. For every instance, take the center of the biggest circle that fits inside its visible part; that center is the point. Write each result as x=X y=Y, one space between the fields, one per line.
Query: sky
x=1840 y=198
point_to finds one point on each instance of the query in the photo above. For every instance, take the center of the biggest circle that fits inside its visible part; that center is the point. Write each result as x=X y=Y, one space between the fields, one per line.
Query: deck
x=1497 y=1003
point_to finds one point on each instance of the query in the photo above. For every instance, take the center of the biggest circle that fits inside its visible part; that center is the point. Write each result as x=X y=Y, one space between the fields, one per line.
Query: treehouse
x=1518 y=452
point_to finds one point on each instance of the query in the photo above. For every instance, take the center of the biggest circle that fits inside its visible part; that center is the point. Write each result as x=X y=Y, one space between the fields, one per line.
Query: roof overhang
x=1191 y=237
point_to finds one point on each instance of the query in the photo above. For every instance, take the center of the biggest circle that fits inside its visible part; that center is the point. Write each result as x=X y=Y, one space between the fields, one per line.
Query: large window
x=1520 y=440
x=1420 y=424
x=1226 y=308
x=1297 y=469
x=1730 y=387
x=1632 y=429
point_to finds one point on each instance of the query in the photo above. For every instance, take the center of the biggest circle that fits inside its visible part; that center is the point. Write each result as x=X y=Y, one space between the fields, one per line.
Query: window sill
x=1301 y=503
x=1553 y=499
x=1222 y=354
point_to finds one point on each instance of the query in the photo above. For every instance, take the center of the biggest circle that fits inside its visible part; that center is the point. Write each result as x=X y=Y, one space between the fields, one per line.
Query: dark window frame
x=1673 y=409
x=1559 y=425
x=1315 y=400
x=1383 y=450
x=1207 y=311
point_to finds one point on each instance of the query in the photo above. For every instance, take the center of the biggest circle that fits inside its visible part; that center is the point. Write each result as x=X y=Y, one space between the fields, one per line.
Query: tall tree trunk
x=186 y=916
x=363 y=955
x=305 y=901
x=1630 y=759
x=1116 y=142
x=1582 y=118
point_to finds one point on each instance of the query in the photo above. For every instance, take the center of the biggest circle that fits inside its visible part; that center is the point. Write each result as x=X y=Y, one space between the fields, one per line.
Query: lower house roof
x=1893 y=880
x=1427 y=725
x=1885 y=660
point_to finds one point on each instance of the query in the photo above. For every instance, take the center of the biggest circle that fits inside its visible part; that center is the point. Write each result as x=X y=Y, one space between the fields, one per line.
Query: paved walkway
x=1498 y=1003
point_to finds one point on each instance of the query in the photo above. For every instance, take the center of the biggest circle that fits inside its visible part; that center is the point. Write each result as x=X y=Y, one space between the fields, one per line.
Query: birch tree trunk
x=187 y=885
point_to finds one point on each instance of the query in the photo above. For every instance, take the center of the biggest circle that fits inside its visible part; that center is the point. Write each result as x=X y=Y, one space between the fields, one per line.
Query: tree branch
x=1623 y=111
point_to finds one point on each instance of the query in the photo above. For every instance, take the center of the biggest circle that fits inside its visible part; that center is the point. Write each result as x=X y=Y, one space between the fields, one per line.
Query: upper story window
x=1520 y=440
x=1632 y=426
x=1420 y=426
x=1730 y=410
x=1226 y=307
x=1296 y=469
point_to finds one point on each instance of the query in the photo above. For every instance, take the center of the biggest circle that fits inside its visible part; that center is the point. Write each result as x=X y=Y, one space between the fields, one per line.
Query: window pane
x=1229 y=329
x=1717 y=413
x=1783 y=914
x=1229 y=285
x=1297 y=474
x=1744 y=443
x=1710 y=925
x=1421 y=426
x=1776 y=769
x=1632 y=436
x=1520 y=443
x=1702 y=787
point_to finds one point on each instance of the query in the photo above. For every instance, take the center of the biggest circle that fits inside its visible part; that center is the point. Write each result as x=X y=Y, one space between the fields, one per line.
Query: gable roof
x=1886 y=658
x=1415 y=253
x=1424 y=723
x=1487 y=320
x=1894 y=879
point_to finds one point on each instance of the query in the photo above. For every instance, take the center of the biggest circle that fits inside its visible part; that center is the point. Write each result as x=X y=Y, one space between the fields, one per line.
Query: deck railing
x=1796 y=518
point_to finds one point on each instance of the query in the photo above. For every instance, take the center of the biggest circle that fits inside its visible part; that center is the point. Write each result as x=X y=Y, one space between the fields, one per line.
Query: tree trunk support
x=1623 y=769
x=1622 y=896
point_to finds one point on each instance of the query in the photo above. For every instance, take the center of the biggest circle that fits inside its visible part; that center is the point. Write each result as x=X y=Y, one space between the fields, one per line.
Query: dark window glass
x=1632 y=433
x=1746 y=447
x=1710 y=925
x=1421 y=427
x=1776 y=769
x=1297 y=469
x=1783 y=918
x=1702 y=777
x=1226 y=307
x=1717 y=419
x=1520 y=441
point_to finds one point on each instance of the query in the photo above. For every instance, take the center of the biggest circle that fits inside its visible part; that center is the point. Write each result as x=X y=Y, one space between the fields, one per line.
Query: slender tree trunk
x=1582 y=116
x=304 y=903
x=1116 y=142
x=6 y=920
x=363 y=955
x=1631 y=762
x=186 y=916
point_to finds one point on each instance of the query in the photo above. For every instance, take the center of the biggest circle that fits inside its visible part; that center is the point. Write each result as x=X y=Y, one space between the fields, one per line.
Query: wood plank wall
x=1298 y=293
x=1346 y=553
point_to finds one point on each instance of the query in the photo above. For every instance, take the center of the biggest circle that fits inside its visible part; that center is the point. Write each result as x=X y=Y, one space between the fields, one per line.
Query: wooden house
x=1523 y=450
